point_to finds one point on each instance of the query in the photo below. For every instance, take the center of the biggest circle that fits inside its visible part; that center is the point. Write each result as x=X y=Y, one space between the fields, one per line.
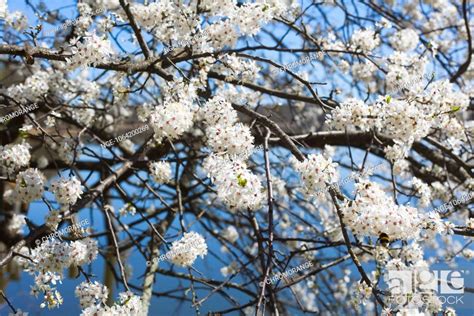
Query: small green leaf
x=126 y=301
x=23 y=134
x=241 y=180
x=388 y=98
x=23 y=183
x=455 y=108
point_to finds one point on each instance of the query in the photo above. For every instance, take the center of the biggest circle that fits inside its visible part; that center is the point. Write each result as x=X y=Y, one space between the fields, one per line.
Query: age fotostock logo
x=447 y=284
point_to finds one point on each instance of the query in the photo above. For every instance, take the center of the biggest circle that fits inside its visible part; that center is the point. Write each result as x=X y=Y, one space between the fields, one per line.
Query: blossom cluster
x=423 y=190
x=229 y=20
x=365 y=40
x=232 y=139
x=238 y=68
x=48 y=261
x=316 y=171
x=405 y=40
x=171 y=120
x=29 y=185
x=433 y=225
x=91 y=293
x=434 y=109
x=218 y=111
x=13 y=157
x=127 y=304
x=67 y=190
x=230 y=233
x=32 y=90
x=184 y=251
x=224 y=134
x=160 y=171
x=93 y=50
x=17 y=20
x=373 y=213
x=236 y=186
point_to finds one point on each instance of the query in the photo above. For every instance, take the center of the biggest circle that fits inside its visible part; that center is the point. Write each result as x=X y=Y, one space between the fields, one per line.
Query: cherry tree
x=283 y=156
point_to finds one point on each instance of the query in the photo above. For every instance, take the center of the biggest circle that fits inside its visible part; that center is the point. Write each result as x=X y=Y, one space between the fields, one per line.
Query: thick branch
x=129 y=67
